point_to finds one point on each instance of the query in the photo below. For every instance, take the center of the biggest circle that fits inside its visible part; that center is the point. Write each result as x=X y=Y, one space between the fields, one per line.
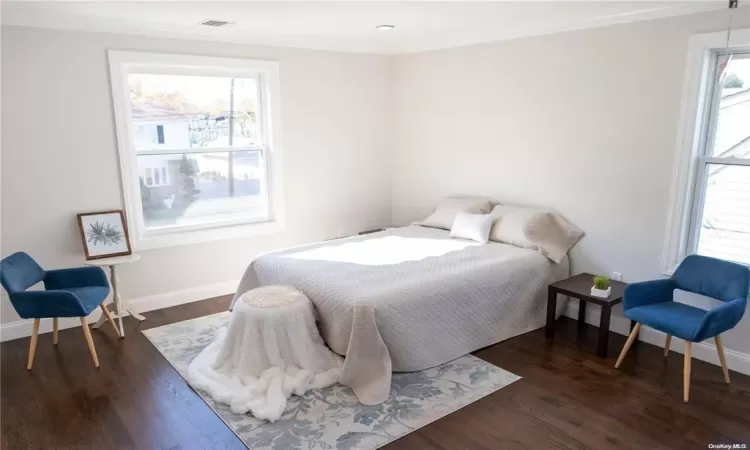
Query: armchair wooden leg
x=32 y=345
x=631 y=339
x=111 y=321
x=89 y=340
x=722 y=358
x=54 y=330
x=686 y=370
x=666 y=345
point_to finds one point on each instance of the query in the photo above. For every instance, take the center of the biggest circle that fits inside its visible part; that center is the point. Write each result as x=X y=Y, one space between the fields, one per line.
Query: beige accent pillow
x=445 y=214
x=545 y=231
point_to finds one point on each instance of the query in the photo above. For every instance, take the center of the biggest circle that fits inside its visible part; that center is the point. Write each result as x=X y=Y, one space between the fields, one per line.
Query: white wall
x=585 y=122
x=59 y=153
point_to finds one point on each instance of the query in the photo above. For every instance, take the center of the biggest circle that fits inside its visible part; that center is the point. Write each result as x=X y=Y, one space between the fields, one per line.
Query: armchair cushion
x=90 y=297
x=41 y=304
x=75 y=277
x=669 y=317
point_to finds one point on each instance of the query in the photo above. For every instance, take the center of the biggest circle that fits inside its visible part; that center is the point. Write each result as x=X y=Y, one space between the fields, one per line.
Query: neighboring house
x=161 y=128
x=733 y=126
x=164 y=128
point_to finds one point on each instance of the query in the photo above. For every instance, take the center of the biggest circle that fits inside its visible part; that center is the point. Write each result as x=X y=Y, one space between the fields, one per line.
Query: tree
x=731 y=80
x=188 y=170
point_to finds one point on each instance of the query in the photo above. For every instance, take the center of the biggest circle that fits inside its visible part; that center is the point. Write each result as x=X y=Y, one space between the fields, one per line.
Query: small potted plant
x=601 y=287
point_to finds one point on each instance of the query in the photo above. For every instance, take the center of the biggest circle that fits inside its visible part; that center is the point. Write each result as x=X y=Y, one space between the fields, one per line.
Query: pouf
x=270 y=350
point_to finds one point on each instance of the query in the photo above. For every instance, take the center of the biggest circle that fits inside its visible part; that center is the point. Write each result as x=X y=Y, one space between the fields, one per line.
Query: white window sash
x=157 y=68
x=724 y=161
x=259 y=78
x=691 y=157
x=706 y=144
x=194 y=150
x=699 y=195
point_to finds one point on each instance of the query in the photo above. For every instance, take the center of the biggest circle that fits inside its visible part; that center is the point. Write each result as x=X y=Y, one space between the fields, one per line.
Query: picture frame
x=104 y=234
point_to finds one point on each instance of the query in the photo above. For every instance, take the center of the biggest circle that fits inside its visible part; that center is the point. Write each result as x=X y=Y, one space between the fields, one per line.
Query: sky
x=741 y=67
x=198 y=90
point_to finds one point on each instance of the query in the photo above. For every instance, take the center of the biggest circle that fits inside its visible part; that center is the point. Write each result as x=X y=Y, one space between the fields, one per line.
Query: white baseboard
x=169 y=299
x=22 y=328
x=705 y=351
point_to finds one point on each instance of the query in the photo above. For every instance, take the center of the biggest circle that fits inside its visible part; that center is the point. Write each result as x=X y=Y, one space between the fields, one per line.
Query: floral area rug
x=332 y=418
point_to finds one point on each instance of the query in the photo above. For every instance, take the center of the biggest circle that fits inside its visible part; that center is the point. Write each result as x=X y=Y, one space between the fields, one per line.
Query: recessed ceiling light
x=214 y=23
x=385 y=27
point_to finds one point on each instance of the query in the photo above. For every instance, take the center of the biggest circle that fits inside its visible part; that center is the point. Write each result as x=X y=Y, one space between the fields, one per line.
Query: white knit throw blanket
x=270 y=350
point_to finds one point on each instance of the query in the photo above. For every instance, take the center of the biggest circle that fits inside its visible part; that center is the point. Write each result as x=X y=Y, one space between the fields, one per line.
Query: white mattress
x=411 y=298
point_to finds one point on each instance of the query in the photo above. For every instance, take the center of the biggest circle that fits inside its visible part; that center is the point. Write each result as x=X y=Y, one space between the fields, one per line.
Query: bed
x=410 y=298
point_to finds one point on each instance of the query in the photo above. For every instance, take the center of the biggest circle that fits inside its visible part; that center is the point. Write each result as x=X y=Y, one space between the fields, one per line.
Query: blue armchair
x=651 y=303
x=68 y=293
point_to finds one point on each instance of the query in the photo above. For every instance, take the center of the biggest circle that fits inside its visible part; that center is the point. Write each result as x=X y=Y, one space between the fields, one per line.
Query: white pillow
x=472 y=226
x=445 y=214
x=544 y=231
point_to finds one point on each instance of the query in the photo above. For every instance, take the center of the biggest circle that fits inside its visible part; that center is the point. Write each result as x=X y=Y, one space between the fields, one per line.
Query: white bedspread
x=411 y=298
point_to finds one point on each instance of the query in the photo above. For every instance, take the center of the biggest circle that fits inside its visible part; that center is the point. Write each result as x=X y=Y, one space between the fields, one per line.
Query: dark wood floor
x=568 y=398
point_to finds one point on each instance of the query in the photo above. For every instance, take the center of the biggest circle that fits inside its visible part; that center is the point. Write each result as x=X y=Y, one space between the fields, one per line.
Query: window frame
x=697 y=121
x=122 y=63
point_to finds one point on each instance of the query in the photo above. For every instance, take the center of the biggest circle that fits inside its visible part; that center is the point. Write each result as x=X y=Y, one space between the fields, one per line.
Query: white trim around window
x=266 y=75
x=690 y=154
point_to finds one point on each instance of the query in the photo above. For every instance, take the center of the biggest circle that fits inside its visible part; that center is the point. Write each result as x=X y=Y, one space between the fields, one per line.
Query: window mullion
x=726 y=161
x=181 y=151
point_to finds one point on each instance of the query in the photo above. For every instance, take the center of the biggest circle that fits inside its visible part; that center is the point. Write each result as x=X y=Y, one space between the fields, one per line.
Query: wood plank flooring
x=568 y=398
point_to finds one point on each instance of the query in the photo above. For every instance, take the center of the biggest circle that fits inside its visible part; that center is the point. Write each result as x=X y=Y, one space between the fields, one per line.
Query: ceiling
x=344 y=26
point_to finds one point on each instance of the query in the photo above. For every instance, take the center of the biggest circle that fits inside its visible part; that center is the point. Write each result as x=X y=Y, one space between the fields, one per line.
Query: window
x=154 y=176
x=149 y=176
x=160 y=134
x=722 y=203
x=198 y=144
x=714 y=188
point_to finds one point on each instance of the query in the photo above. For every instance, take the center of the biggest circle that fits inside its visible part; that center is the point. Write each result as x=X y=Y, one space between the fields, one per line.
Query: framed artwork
x=104 y=234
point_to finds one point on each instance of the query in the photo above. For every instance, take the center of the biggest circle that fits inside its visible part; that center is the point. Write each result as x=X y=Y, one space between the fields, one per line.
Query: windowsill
x=668 y=272
x=187 y=237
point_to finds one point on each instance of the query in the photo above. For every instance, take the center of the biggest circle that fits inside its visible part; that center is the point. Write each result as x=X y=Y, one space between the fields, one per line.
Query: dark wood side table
x=579 y=286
